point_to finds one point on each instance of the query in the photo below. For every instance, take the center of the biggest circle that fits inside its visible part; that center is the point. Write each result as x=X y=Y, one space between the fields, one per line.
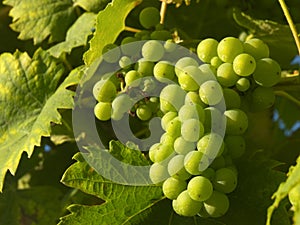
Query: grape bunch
x=199 y=102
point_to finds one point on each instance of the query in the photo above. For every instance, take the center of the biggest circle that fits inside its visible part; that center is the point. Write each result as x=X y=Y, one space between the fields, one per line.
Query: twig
x=163 y=10
x=291 y=23
x=287 y=96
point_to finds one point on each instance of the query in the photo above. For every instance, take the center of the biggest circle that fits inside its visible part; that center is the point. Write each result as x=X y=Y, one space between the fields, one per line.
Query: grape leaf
x=91 y=5
x=37 y=205
x=278 y=37
x=284 y=188
x=29 y=97
x=106 y=30
x=41 y=19
x=84 y=24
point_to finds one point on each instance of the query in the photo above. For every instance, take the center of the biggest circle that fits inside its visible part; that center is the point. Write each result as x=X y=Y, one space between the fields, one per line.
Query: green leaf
x=106 y=30
x=38 y=205
x=91 y=5
x=284 y=188
x=278 y=37
x=77 y=35
x=42 y=19
x=29 y=97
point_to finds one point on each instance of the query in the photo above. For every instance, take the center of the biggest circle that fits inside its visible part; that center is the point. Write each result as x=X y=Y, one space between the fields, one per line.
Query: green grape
x=170 y=46
x=103 y=111
x=144 y=67
x=192 y=130
x=209 y=173
x=226 y=75
x=184 y=62
x=149 y=17
x=167 y=118
x=217 y=205
x=153 y=104
x=207 y=49
x=228 y=48
x=233 y=169
x=262 y=98
x=214 y=120
x=225 y=180
x=104 y=91
x=216 y=62
x=117 y=115
x=195 y=162
x=167 y=139
x=161 y=35
x=163 y=151
x=125 y=62
x=132 y=78
x=164 y=71
x=257 y=48
x=142 y=34
x=176 y=168
x=172 y=187
x=174 y=127
x=152 y=151
x=158 y=173
x=185 y=79
x=182 y=146
x=159 y=26
x=267 y=72
x=232 y=98
x=191 y=112
x=236 y=122
x=244 y=64
x=218 y=163
x=129 y=46
x=184 y=205
x=236 y=145
x=200 y=188
x=193 y=98
x=208 y=70
x=144 y=112
x=153 y=50
x=171 y=98
x=122 y=103
x=211 y=92
x=111 y=53
x=211 y=144
x=242 y=84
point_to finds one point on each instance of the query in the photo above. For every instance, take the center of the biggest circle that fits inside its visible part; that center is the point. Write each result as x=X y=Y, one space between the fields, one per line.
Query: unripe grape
x=200 y=188
x=125 y=62
x=170 y=46
x=207 y=49
x=236 y=121
x=176 y=168
x=195 y=162
x=257 y=48
x=236 y=145
x=267 y=72
x=184 y=205
x=192 y=130
x=162 y=35
x=187 y=80
x=191 y=112
x=228 y=48
x=217 y=205
x=242 y=84
x=163 y=151
x=122 y=103
x=132 y=78
x=167 y=118
x=164 y=71
x=225 y=180
x=226 y=75
x=174 y=127
x=193 y=98
x=211 y=144
x=153 y=50
x=144 y=67
x=103 y=111
x=171 y=98
x=184 y=62
x=104 y=91
x=172 y=187
x=232 y=98
x=143 y=112
x=152 y=151
x=244 y=64
x=149 y=17
x=216 y=62
x=182 y=146
x=209 y=173
x=262 y=98
x=167 y=139
x=218 y=163
x=158 y=173
x=211 y=92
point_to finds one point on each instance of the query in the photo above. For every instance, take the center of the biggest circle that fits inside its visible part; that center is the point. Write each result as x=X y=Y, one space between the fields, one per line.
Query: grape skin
x=149 y=17
x=200 y=188
x=172 y=187
x=225 y=180
x=228 y=48
x=217 y=205
x=207 y=49
x=103 y=111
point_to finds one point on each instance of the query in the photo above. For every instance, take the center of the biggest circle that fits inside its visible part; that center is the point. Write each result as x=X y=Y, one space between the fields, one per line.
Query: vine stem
x=287 y=96
x=163 y=10
x=291 y=23
x=132 y=29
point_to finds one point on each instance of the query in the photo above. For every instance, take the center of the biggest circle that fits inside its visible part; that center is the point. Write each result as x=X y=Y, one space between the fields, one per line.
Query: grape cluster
x=199 y=105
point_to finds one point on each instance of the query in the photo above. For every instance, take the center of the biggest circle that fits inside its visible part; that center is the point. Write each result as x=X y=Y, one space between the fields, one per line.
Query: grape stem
x=287 y=96
x=163 y=10
x=132 y=29
x=291 y=23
